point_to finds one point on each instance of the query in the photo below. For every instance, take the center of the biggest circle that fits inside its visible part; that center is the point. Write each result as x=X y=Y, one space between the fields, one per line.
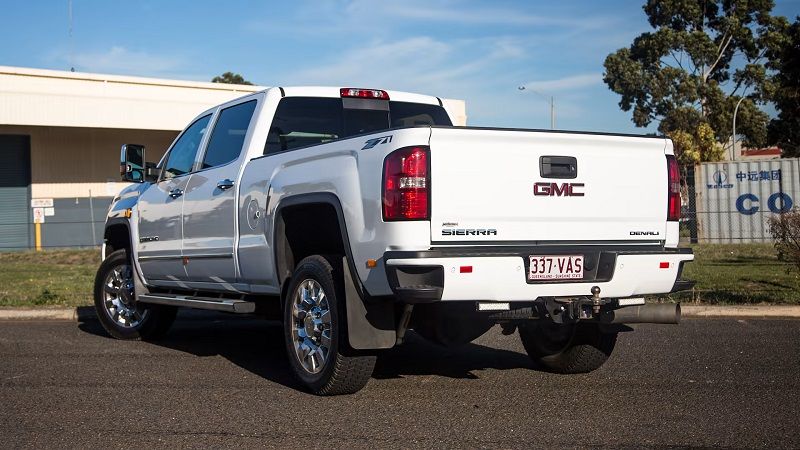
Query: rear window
x=303 y=121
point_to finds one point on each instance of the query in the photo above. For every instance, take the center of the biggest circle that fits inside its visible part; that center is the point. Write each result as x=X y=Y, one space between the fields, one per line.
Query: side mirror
x=131 y=163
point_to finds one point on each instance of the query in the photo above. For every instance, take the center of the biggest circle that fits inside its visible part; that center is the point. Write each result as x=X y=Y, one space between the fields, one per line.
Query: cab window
x=227 y=139
x=182 y=155
x=302 y=121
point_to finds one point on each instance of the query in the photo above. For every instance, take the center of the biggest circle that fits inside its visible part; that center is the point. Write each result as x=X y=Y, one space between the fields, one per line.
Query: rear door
x=209 y=208
x=491 y=185
x=160 y=207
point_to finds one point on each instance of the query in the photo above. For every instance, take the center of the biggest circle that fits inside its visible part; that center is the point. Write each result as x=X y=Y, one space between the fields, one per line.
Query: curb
x=754 y=311
x=39 y=314
x=82 y=313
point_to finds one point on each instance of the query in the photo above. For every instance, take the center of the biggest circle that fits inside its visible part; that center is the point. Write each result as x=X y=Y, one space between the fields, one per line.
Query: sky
x=478 y=51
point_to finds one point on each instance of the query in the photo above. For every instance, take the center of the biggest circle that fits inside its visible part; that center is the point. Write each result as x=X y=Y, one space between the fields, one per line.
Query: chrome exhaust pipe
x=664 y=313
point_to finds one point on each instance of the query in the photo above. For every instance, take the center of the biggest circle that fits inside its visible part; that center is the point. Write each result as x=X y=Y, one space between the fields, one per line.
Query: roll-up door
x=15 y=184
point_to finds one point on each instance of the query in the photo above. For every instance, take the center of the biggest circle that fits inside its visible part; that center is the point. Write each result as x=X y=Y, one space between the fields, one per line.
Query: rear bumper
x=499 y=274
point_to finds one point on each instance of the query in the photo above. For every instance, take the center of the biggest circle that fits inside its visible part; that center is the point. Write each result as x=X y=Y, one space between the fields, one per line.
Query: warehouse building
x=60 y=135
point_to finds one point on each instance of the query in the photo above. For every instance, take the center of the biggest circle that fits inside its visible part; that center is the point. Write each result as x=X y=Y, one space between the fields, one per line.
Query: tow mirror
x=132 y=166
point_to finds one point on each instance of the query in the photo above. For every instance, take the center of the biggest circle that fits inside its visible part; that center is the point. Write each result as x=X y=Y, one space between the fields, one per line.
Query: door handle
x=175 y=193
x=225 y=184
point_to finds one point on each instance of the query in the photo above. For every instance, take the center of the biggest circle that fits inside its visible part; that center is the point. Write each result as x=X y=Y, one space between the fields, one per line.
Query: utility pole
x=733 y=138
x=552 y=104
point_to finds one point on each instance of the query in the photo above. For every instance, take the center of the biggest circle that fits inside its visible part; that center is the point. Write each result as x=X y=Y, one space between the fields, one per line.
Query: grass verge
x=725 y=274
x=47 y=278
x=739 y=274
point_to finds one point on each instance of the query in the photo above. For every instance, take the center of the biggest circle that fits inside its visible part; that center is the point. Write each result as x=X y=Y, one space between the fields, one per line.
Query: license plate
x=556 y=267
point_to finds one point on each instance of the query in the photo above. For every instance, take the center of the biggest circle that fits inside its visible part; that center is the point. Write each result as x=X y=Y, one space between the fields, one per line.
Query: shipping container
x=734 y=199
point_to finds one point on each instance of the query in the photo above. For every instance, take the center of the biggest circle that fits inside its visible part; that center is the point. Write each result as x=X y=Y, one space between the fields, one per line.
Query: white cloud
x=121 y=60
x=566 y=83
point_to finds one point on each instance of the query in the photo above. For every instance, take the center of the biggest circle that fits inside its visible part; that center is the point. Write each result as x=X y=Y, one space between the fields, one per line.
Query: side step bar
x=215 y=304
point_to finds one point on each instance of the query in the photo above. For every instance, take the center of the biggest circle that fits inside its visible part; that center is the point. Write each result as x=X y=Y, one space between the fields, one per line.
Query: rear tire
x=567 y=349
x=116 y=306
x=315 y=330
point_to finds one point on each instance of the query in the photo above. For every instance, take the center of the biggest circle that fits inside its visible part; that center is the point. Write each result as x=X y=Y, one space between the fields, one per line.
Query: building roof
x=73 y=99
x=767 y=152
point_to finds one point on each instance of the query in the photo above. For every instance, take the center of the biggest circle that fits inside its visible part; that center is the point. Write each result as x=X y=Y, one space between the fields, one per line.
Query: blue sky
x=477 y=51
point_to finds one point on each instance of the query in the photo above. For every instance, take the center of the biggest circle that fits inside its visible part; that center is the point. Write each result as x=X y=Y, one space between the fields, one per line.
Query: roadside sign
x=38 y=215
x=41 y=203
x=49 y=211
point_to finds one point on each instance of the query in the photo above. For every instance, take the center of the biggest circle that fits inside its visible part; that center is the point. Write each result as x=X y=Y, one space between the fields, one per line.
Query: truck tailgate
x=487 y=186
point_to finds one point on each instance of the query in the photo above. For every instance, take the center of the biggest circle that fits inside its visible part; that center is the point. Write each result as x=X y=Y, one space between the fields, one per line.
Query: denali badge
x=645 y=233
x=557 y=190
x=469 y=232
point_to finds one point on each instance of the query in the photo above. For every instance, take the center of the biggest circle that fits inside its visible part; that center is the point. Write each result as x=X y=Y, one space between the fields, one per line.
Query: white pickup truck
x=357 y=214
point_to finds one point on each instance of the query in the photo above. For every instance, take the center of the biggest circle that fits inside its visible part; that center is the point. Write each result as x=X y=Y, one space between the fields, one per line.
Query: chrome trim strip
x=158 y=257
x=190 y=256
x=208 y=255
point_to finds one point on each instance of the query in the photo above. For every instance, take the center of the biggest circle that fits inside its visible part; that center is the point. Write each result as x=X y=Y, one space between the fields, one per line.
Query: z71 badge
x=375 y=141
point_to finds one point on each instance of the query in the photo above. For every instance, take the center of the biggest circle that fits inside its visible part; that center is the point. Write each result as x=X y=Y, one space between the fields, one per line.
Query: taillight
x=673 y=189
x=363 y=93
x=406 y=184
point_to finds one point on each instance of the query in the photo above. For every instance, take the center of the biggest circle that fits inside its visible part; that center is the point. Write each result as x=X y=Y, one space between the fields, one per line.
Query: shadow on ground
x=257 y=346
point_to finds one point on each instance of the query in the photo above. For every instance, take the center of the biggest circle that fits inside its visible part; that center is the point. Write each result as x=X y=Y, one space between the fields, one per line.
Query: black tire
x=343 y=370
x=577 y=348
x=155 y=320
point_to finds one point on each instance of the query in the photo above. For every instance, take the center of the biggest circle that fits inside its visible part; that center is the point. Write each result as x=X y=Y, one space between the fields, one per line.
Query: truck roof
x=329 y=91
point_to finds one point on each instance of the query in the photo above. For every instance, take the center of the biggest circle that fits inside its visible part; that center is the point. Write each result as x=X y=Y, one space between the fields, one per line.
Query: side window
x=412 y=114
x=181 y=156
x=301 y=121
x=227 y=139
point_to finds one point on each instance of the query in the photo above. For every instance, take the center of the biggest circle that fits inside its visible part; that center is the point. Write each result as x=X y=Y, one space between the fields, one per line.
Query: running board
x=215 y=304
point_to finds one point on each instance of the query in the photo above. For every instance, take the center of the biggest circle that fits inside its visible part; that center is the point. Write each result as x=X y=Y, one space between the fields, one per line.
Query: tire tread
x=351 y=370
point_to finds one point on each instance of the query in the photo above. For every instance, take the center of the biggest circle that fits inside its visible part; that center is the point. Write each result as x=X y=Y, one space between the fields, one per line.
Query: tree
x=697 y=146
x=784 y=59
x=702 y=58
x=231 y=78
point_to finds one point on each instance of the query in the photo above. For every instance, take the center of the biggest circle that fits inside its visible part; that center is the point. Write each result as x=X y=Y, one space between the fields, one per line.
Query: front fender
x=126 y=199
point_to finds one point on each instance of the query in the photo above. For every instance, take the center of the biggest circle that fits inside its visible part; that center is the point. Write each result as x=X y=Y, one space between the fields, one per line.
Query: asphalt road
x=704 y=383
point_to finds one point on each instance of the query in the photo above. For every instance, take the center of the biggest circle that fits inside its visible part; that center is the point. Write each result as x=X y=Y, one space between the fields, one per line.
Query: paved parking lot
x=224 y=382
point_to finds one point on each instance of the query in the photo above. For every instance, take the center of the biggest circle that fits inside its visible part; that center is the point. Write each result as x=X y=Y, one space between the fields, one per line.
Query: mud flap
x=370 y=326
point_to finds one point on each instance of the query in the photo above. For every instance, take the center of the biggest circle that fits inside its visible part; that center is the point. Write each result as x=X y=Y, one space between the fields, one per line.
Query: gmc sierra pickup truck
x=354 y=215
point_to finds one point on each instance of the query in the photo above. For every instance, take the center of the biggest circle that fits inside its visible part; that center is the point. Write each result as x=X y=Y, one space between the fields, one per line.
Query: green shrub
x=785 y=229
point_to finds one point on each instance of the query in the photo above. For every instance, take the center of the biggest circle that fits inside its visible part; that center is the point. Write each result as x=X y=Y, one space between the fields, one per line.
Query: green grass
x=725 y=273
x=47 y=278
x=739 y=274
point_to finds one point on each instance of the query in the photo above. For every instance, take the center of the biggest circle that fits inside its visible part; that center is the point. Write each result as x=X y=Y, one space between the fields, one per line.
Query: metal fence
x=731 y=202
x=69 y=223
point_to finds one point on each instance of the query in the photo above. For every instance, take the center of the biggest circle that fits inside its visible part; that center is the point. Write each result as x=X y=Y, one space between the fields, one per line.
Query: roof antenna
x=71 y=56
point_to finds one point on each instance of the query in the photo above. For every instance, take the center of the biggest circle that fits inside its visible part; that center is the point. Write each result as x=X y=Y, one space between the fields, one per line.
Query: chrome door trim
x=156 y=257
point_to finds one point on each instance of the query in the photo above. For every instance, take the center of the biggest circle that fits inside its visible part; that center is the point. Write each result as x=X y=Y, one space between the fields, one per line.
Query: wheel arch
x=117 y=235
x=289 y=249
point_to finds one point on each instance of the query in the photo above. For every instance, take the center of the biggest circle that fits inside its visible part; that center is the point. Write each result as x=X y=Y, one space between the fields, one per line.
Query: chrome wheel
x=118 y=298
x=311 y=325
